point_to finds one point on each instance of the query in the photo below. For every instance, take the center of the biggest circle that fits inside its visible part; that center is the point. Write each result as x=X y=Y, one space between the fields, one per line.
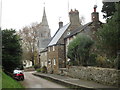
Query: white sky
x=19 y=13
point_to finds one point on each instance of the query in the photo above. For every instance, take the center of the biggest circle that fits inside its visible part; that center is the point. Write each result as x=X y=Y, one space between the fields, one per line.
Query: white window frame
x=53 y=48
x=49 y=49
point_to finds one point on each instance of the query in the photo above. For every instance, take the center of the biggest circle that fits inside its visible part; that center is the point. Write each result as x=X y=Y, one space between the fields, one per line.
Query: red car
x=18 y=75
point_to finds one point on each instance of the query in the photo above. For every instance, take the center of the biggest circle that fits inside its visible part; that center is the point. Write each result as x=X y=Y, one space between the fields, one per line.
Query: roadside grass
x=8 y=82
x=0 y=78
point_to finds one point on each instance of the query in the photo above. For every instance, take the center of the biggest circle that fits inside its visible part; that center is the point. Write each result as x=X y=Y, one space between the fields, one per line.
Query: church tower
x=44 y=27
x=44 y=32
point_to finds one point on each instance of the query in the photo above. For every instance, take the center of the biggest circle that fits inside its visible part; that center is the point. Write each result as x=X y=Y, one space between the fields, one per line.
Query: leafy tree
x=109 y=35
x=108 y=9
x=11 y=50
x=78 y=49
x=0 y=47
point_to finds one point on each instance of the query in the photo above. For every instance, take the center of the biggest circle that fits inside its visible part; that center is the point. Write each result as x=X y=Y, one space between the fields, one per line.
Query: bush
x=100 y=60
x=78 y=49
x=44 y=69
x=103 y=61
x=36 y=66
x=38 y=70
x=92 y=59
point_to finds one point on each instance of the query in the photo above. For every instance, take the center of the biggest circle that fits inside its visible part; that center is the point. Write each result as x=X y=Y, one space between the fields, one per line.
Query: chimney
x=95 y=15
x=74 y=17
x=60 y=24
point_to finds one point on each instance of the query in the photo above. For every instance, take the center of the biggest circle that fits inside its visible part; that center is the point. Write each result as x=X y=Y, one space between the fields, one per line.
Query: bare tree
x=29 y=35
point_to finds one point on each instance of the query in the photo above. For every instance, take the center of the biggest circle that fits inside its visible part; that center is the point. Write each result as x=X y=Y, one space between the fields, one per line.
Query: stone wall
x=101 y=75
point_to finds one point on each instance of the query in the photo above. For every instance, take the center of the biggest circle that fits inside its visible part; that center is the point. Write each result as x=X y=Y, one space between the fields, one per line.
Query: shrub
x=44 y=69
x=38 y=70
x=78 y=50
x=100 y=60
x=36 y=66
x=103 y=61
x=92 y=59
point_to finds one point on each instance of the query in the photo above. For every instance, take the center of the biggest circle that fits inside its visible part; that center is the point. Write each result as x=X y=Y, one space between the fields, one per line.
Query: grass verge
x=8 y=82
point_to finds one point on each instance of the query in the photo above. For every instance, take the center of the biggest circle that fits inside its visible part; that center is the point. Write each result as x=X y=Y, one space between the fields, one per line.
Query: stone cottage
x=56 y=47
x=43 y=57
x=89 y=29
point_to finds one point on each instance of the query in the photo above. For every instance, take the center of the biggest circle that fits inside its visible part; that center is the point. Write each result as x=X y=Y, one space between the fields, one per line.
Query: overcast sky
x=19 y=13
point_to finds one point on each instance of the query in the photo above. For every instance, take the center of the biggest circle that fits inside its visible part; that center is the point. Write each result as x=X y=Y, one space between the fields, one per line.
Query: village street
x=32 y=81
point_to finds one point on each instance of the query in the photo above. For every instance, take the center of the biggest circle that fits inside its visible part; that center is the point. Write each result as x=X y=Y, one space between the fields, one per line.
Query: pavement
x=75 y=83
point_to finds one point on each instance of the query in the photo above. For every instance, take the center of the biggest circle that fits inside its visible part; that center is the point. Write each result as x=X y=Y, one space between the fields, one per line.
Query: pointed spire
x=44 y=18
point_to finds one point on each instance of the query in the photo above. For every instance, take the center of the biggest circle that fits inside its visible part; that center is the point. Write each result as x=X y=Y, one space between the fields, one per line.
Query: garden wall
x=101 y=75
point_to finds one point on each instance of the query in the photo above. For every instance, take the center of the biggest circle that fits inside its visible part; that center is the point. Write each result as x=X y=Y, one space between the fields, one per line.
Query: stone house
x=27 y=63
x=88 y=29
x=56 y=47
x=43 y=57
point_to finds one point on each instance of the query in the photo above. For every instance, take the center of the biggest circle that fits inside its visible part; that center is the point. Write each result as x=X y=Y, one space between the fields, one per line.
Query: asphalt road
x=32 y=81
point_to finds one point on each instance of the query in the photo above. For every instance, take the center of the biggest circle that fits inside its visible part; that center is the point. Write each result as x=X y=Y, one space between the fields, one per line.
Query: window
x=49 y=61
x=68 y=41
x=45 y=53
x=53 y=48
x=42 y=64
x=45 y=63
x=54 y=61
x=49 y=49
x=74 y=37
x=41 y=35
x=71 y=39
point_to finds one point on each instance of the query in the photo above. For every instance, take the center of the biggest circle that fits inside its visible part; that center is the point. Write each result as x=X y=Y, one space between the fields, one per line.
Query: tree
x=109 y=35
x=11 y=50
x=78 y=49
x=108 y=9
x=29 y=42
x=0 y=47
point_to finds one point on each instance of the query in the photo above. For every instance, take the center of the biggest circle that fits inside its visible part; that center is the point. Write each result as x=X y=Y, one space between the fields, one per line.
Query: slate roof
x=78 y=30
x=58 y=35
x=44 y=50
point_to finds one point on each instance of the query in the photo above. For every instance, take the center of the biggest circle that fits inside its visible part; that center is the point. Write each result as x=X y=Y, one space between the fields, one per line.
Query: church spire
x=44 y=18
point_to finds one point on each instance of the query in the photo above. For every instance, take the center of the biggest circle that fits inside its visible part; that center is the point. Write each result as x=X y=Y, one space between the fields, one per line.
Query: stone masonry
x=105 y=76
